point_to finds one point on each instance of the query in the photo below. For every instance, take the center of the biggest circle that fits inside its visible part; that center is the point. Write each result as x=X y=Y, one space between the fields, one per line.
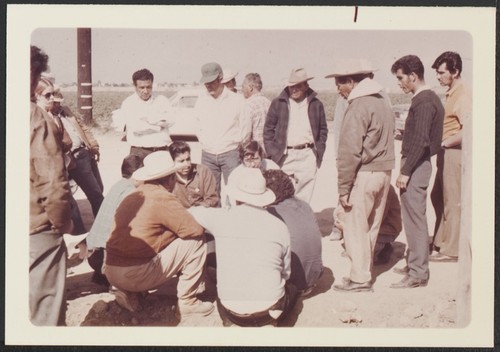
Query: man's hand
x=344 y=201
x=402 y=181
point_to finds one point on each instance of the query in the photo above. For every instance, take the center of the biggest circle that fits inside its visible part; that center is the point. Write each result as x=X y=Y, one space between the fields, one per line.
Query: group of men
x=152 y=225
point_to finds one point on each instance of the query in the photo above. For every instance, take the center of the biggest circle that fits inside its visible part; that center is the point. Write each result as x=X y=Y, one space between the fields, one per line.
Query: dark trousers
x=144 y=152
x=47 y=279
x=413 y=210
x=86 y=175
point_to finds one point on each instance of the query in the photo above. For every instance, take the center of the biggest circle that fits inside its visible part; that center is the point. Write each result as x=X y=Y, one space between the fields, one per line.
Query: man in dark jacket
x=295 y=132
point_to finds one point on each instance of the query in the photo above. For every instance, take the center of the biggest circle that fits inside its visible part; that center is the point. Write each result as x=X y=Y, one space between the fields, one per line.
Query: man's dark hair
x=280 y=183
x=453 y=62
x=409 y=64
x=354 y=78
x=142 y=75
x=39 y=64
x=250 y=148
x=177 y=148
x=130 y=164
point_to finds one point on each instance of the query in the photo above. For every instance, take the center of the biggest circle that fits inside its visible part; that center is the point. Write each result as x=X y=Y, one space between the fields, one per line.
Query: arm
x=245 y=122
x=269 y=133
x=180 y=221
x=323 y=133
x=48 y=175
x=210 y=196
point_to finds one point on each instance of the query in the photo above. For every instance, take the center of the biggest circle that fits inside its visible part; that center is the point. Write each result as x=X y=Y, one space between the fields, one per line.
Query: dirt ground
x=433 y=306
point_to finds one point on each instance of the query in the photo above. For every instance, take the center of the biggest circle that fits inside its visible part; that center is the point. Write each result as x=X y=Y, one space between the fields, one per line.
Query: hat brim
x=258 y=200
x=208 y=79
x=289 y=84
x=363 y=72
x=144 y=174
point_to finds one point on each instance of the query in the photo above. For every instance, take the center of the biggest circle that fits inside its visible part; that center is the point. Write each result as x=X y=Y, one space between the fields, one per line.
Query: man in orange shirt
x=446 y=193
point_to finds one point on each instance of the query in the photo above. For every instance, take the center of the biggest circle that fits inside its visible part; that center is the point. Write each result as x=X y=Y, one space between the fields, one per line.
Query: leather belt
x=301 y=146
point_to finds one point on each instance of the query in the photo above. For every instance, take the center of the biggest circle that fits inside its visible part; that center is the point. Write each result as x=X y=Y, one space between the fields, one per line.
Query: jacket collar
x=365 y=87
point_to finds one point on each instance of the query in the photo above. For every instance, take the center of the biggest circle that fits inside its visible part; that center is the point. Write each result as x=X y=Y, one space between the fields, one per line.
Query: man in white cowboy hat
x=295 y=132
x=229 y=79
x=154 y=238
x=364 y=162
x=223 y=124
x=253 y=254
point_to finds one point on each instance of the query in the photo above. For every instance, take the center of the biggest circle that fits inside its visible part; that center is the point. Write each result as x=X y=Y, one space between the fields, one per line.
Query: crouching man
x=253 y=254
x=154 y=238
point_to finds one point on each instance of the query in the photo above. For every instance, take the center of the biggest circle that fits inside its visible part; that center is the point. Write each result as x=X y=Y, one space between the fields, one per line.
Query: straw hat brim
x=259 y=200
x=146 y=173
x=289 y=84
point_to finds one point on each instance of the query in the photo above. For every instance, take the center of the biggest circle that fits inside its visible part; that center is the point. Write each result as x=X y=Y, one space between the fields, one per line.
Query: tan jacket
x=49 y=189
x=83 y=130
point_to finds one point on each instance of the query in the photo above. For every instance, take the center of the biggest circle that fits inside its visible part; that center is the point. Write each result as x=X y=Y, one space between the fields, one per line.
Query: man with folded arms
x=295 y=132
x=421 y=140
x=253 y=254
x=154 y=238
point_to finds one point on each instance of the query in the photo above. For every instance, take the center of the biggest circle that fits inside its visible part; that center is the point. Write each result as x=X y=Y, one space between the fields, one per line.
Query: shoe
x=199 y=308
x=384 y=256
x=410 y=282
x=335 y=235
x=438 y=257
x=351 y=286
x=128 y=300
x=402 y=271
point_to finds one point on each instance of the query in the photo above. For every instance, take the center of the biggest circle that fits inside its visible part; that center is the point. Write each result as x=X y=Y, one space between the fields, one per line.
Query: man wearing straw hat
x=364 y=163
x=229 y=79
x=154 y=238
x=295 y=132
x=253 y=254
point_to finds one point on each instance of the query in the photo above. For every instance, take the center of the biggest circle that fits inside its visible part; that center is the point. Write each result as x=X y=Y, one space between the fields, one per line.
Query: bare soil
x=433 y=306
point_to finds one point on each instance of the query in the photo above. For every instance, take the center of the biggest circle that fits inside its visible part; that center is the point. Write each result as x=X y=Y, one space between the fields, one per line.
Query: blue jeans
x=86 y=175
x=221 y=163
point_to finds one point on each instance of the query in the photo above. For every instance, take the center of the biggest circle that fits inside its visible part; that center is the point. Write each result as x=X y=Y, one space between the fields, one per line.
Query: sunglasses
x=48 y=95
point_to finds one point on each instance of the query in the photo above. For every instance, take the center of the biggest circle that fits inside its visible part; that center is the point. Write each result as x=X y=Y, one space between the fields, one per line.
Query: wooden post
x=84 y=73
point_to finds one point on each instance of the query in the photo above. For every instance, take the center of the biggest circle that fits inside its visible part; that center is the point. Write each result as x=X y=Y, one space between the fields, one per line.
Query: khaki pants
x=446 y=198
x=185 y=257
x=301 y=164
x=363 y=220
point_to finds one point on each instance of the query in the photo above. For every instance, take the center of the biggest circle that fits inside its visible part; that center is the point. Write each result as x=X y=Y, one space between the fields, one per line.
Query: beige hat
x=250 y=187
x=298 y=75
x=228 y=74
x=352 y=67
x=157 y=165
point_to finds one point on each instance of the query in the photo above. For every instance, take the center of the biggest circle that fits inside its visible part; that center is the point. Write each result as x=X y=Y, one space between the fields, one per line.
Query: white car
x=183 y=103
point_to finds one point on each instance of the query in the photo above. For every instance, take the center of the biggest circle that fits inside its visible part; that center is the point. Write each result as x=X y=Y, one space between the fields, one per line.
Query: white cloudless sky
x=176 y=55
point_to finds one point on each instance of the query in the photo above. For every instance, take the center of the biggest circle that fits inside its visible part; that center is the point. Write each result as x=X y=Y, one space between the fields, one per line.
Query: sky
x=176 y=55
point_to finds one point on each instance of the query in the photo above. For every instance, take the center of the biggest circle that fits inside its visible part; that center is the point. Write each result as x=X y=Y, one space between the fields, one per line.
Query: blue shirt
x=103 y=223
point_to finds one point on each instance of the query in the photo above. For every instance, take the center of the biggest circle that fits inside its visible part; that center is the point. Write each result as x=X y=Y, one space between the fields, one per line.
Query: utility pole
x=84 y=53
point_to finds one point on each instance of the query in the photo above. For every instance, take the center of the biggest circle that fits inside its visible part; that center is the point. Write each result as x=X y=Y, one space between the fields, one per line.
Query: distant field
x=104 y=102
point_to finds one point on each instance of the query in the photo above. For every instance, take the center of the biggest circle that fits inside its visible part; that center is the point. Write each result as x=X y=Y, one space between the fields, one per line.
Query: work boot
x=198 y=307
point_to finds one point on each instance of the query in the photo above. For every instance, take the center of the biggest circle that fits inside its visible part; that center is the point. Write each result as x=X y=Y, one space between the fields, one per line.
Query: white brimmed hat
x=228 y=74
x=352 y=67
x=250 y=187
x=157 y=165
x=298 y=75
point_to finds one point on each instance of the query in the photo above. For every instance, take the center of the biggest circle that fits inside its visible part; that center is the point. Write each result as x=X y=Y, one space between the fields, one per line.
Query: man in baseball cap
x=223 y=123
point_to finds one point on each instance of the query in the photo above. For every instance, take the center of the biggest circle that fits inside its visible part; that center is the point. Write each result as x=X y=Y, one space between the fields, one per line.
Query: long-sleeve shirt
x=146 y=222
x=223 y=123
x=145 y=120
x=199 y=190
x=253 y=255
x=49 y=189
x=423 y=130
x=258 y=105
x=458 y=108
